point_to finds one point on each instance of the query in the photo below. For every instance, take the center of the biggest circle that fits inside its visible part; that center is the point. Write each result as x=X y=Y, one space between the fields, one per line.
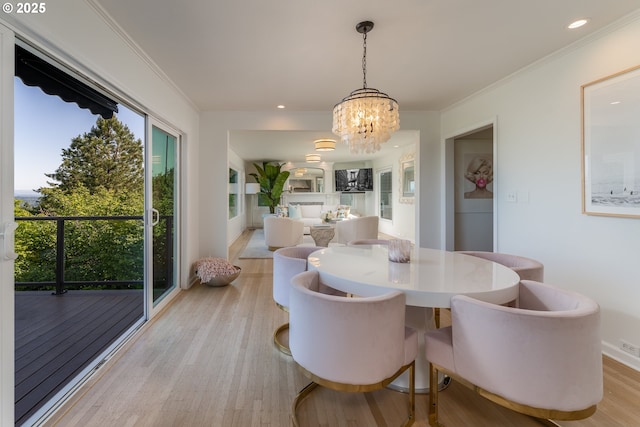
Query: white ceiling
x=291 y=146
x=252 y=55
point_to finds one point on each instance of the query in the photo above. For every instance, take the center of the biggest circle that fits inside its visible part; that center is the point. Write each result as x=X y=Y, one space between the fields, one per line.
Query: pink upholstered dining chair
x=282 y=232
x=349 y=344
x=542 y=359
x=287 y=262
x=527 y=268
x=368 y=242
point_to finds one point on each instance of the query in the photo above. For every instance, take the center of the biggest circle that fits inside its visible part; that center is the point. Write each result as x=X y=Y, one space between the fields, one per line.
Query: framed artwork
x=478 y=176
x=611 y=145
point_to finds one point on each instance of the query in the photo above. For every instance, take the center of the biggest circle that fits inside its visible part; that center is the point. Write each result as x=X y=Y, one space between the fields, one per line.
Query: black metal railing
x=61 y=283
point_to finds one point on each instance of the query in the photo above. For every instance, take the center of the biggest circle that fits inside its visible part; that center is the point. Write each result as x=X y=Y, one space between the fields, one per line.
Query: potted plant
x=271 y=179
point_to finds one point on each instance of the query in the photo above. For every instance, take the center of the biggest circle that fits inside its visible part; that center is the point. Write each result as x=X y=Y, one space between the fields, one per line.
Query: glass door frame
x=7 y=298
x=151 y=217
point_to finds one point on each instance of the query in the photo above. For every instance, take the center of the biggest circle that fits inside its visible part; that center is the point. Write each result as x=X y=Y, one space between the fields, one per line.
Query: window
x=233 y=193
x=385 y=195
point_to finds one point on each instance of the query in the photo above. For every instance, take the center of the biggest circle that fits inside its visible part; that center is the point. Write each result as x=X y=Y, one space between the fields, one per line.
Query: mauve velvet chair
x=349 y=344
x=368 y=242
x=527 y=268
x=280 y=232
x=543 y=358
x=287 y=262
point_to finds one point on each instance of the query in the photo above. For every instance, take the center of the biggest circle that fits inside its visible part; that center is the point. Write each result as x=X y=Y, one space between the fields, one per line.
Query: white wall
x=77 y=34
x=538 y=143
x=402 y=224
x=214 y=131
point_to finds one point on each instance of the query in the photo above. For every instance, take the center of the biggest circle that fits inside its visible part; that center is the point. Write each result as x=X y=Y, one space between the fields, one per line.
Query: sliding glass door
x=163 y=225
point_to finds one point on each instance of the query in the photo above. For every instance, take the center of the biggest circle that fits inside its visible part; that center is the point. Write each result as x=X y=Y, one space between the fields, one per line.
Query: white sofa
x=310 y=215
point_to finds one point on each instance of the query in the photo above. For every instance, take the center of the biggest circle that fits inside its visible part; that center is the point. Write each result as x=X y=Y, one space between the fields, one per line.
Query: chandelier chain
x=364 y=60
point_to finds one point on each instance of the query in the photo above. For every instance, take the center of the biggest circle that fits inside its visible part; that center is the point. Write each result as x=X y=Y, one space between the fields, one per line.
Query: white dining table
x=430 y=279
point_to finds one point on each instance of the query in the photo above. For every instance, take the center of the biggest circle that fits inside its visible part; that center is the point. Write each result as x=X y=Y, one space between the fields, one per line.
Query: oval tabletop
x=430 y=279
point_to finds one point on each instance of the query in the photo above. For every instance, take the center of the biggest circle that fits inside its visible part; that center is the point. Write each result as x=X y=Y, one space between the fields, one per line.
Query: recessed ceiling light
x=282 y=107
x=577 y=24
x=615 y=102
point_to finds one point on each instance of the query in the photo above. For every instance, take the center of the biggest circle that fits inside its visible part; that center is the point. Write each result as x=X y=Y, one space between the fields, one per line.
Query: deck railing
x=60 y=282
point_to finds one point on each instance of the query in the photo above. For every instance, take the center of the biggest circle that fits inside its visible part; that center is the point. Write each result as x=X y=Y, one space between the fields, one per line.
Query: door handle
x=155 y=217
x=8 y=240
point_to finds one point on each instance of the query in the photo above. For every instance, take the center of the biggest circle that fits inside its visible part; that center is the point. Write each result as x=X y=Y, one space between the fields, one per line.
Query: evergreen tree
x=101 y=174
x=107 y=157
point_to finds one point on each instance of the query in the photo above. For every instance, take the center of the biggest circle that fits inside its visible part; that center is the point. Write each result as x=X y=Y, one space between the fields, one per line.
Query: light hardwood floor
x=209 y=360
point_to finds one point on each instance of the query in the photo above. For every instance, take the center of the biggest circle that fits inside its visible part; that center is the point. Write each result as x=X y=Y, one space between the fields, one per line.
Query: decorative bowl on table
x=216 y=271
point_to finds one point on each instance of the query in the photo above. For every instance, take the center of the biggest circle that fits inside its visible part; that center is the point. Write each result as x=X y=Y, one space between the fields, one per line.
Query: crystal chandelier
x=367 y=117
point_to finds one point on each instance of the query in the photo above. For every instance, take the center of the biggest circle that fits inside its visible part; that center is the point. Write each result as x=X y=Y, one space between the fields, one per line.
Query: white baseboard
x=192 y=281
x=625 y=358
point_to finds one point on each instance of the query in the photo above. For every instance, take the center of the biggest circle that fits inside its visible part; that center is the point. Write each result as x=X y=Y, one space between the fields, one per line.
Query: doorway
x=470 y=190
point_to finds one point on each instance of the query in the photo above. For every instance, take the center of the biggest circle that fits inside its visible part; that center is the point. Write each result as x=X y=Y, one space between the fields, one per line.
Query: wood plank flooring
x=56 y=337
x=209 y=360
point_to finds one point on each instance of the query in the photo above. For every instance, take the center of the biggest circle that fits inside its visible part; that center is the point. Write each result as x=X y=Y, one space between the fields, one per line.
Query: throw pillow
x=295 y=212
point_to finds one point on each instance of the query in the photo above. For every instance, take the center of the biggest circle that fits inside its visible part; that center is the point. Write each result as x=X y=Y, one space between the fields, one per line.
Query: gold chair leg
x=278 y=342
x=412 y=395
x=433 y=397
x=296 y=402
x=546 y=422
x=335 y=386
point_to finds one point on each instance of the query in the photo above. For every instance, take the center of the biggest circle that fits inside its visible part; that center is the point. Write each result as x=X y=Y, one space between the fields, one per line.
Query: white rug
x=256 y=247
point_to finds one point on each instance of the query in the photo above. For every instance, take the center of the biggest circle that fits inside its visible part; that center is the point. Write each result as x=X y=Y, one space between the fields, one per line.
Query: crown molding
x=155 y=68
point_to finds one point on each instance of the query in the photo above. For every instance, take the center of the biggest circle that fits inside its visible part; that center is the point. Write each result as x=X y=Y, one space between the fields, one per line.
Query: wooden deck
x=58 y=336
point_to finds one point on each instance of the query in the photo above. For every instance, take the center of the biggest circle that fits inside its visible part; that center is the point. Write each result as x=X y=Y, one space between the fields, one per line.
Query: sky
x=44 y=125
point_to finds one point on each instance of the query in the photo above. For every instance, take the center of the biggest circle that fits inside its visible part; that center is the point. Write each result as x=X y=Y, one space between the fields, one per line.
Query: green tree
x=103 y=249
x=101 y=174
x=36 y=246
x=108 y=156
